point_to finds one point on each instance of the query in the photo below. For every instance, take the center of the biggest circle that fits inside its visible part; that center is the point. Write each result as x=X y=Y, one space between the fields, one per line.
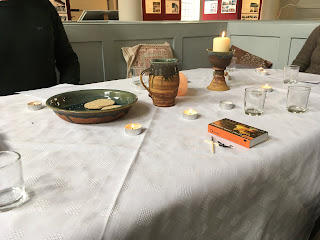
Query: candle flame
x=190 y=111
x=266 y=85
x=132 y=126
x=223 y=34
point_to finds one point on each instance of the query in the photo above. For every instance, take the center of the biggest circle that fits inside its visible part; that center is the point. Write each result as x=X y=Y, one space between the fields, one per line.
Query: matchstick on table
x=212 y=144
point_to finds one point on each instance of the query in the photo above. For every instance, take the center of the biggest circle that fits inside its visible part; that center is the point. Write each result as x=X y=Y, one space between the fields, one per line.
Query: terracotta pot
x=163 y=81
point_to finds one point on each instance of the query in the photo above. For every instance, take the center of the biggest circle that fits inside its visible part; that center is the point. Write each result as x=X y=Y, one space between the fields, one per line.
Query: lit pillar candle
x=221 y=44
x=133 y=129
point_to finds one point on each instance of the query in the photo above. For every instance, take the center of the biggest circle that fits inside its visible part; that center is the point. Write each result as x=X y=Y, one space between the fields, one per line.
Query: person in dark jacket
x=33 y=44
x=309 y=57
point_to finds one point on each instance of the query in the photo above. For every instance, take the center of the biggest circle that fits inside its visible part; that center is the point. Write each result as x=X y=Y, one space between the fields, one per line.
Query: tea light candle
x=267 y=87
x=190 y=114
x=133 y=129
x=221 y=44
x=258 y=70
x=226 y=105
x=264 y=72
x=34 y=106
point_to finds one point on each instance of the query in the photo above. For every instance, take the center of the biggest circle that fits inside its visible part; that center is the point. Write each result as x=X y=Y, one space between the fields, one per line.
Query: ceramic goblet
x=219 y=61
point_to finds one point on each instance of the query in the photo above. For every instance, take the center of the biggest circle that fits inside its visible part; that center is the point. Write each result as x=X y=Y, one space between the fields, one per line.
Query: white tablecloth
x=94 y=182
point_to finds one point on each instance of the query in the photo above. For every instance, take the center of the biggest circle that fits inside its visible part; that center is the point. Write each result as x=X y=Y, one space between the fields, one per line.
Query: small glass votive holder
x=254 y=100
x=233 y=64
x=297 y=98
x=12 y=190
x=290 y=74
x=135 y=73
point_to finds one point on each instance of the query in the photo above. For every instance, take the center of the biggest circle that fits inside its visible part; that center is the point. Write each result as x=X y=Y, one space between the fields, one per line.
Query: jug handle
x=141 y=75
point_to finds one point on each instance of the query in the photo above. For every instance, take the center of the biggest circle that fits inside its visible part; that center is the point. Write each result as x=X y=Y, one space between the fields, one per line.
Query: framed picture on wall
x=63 y=8
x=172 y=6
x=211 y=7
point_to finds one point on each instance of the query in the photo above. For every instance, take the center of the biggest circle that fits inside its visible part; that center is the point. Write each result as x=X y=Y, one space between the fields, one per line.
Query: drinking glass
x=12 y=192
x=135 y=73
x=290 y=74
x=254 y=99
x=297 y=98
x=232 y=66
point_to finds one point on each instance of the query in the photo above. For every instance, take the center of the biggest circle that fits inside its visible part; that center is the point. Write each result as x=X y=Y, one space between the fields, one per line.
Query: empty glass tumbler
x=297 y=98
x=232 y=66
x=290 y=74
x=135 y=73
x=254 y=99
x=12 y=192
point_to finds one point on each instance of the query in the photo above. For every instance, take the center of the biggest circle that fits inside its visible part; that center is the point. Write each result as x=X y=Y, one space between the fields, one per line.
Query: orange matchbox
x=238 y=133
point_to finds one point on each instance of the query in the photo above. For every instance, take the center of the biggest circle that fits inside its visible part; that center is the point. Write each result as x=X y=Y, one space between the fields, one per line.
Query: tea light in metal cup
x=133 y=129
x=264 y=72
x=258 y=70
x=190 y=114
x=267 y=88
x=34 y=106
x=226 y=105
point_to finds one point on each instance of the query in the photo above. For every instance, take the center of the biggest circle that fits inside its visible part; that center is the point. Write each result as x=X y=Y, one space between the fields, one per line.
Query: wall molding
x=277 y=41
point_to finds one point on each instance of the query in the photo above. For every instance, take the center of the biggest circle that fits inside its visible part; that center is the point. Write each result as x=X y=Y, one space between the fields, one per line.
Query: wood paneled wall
x=98 y=45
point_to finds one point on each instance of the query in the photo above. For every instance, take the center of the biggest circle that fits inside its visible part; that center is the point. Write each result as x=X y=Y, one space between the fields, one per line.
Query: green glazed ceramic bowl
x=70 y=105
x=220 y=54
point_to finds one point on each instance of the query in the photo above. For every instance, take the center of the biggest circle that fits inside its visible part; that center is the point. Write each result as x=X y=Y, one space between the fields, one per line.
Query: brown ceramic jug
x=163 y=81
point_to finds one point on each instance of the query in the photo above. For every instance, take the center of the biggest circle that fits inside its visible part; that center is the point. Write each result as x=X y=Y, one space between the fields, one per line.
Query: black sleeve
x=304 y=57
x=66 y=59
